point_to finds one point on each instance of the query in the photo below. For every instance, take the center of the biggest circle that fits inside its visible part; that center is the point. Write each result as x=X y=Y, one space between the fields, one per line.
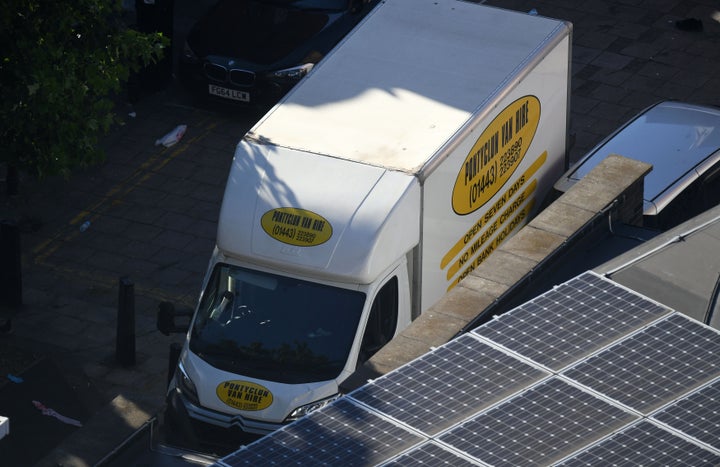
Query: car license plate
x=229 y=93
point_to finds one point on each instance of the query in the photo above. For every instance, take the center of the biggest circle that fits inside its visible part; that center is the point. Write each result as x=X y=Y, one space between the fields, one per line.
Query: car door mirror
x=166 y=319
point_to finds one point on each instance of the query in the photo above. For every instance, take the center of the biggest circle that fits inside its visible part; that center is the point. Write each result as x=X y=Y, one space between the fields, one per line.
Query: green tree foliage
x=63 y=61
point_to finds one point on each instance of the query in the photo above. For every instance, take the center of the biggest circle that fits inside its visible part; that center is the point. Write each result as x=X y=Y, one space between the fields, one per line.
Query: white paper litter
x=173 y=137
x=51 y=413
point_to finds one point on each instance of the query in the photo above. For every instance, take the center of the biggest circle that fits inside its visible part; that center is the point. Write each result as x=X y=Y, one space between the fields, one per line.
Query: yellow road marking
x=42 y=251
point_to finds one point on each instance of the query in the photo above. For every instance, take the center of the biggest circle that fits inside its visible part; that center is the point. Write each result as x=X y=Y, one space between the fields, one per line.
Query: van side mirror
x=166 y=319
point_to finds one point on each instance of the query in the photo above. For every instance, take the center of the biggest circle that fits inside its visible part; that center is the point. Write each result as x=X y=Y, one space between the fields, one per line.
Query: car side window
x=701 y=195
x=382 y=321
x=681 y=208
x=711 y=188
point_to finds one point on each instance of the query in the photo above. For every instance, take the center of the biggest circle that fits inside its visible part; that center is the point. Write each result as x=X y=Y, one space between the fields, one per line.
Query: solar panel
x=570 y=322
x=697 y=415
x=539 y=426
x=443 y=388
x=586 y=374
x=342 y=434
x=430 y=454
x=644 y=444
x=655 y=366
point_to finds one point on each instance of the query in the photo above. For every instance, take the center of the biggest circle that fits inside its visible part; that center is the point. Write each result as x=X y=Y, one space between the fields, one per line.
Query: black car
x=251 y=52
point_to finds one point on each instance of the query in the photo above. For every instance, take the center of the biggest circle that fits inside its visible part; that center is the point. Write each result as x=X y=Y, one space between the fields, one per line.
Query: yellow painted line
x=142 y=174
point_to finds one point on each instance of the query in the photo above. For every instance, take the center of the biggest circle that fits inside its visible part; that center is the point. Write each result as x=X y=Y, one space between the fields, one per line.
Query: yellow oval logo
x=298 y=227
x=244 y=395
x=496 y=154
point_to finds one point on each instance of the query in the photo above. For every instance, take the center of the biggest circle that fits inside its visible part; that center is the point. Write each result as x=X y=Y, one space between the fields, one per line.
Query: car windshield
x=263 y=32
x=275 y=328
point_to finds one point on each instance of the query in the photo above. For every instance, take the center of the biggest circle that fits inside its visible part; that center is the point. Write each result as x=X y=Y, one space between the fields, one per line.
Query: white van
x=425 y=139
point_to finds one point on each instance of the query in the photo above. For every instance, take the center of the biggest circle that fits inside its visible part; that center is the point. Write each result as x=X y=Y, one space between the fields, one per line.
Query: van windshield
x=273 y=327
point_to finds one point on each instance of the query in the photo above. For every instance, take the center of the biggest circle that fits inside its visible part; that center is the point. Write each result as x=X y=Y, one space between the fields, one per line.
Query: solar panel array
x=588 y=373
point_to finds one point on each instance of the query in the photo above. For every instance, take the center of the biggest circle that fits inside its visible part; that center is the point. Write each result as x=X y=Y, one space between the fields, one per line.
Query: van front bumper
x=223 y=420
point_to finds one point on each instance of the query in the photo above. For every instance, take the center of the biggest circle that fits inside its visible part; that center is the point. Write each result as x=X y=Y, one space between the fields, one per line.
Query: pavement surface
x=152 y=214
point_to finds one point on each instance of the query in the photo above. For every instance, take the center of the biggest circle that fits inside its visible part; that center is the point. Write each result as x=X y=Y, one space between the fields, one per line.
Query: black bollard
x=10 y=265
x=125 y=342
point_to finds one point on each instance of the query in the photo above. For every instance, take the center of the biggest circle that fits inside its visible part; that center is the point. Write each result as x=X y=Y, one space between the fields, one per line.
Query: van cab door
x=389 y=313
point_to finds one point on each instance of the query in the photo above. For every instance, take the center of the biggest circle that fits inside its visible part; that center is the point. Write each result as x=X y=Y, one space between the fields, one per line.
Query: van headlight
x=291 y=74
x=306 y=409
x=186 y=386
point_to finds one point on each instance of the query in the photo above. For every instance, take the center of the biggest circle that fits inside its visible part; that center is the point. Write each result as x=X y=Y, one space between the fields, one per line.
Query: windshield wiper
x=233 y=361
x=315 y=368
